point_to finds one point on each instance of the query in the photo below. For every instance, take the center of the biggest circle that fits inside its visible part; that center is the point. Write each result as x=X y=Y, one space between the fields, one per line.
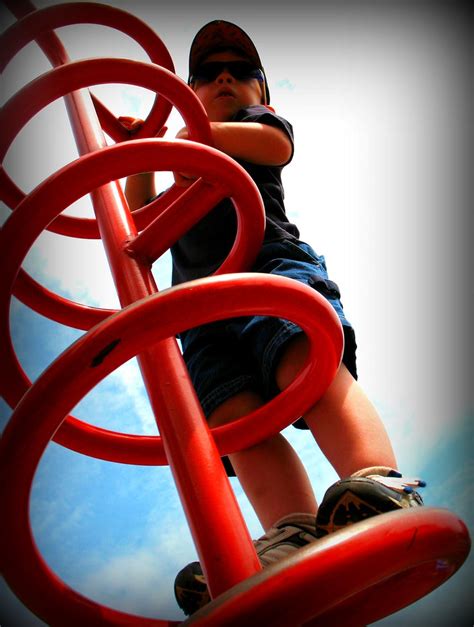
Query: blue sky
x=377 y=99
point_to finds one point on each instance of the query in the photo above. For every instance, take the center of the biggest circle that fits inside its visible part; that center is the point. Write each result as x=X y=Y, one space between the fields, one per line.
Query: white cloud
x=134 y=583
x=139 y=577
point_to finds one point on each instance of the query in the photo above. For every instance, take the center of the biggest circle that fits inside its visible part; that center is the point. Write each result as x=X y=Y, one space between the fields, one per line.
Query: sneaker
x=287 y=535
x=367 y=493
x=190 y=588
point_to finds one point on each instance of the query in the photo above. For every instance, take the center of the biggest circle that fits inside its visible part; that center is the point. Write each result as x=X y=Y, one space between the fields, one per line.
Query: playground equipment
x=352 y=577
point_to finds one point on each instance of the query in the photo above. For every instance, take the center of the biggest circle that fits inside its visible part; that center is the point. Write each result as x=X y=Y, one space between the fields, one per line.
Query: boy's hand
x=130 y=123
x=139 y=188
x=182 y=133
x=133 y=125
x=183 y=180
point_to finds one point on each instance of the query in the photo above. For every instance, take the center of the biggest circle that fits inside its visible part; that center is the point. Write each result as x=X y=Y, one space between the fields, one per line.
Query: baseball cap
x=221 y=35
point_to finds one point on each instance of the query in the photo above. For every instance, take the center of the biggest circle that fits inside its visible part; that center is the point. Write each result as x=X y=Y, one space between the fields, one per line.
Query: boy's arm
x=253 y=142
x=139 y=188
x=250 y=141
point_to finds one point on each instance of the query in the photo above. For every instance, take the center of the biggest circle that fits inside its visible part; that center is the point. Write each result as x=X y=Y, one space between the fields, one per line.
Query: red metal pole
x=215 y=519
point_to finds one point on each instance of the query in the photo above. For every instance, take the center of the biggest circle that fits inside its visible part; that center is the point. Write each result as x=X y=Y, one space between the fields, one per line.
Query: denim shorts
x=229 y=356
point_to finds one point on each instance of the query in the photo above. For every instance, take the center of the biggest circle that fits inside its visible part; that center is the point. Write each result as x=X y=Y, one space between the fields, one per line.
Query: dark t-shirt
x=203 y=249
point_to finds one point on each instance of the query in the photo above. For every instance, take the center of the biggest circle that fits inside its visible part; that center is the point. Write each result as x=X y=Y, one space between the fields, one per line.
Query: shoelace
x=279 y=534
x=399 y=484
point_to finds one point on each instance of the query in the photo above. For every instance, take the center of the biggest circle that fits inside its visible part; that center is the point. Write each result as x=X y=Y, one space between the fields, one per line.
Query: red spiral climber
x=353 y=577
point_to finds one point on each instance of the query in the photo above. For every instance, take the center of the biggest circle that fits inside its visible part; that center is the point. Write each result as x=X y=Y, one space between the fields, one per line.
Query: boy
x=237 y=365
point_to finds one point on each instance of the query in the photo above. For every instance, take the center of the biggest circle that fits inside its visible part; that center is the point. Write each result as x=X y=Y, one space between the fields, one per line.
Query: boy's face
x=226 y=95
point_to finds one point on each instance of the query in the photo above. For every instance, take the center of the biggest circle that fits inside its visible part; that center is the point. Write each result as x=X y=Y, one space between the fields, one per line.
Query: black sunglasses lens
x=207 y=72
x=240 y=70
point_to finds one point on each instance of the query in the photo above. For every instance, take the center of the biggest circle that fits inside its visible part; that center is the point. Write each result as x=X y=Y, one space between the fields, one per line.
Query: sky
x=378 y=95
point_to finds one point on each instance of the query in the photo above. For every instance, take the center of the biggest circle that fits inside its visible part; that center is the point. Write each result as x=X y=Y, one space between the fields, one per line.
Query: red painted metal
x=352 y=570
x=55 y=307
x=134 y=281
x=76 y=179
x=43 y=21
x=201 y=302
x=352 y=577
x=73 y=76
x=164 y=231
x=113 y=342
x=58 y=82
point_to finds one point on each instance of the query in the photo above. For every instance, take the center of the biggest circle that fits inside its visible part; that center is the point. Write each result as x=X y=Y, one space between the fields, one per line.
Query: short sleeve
x=264 y=115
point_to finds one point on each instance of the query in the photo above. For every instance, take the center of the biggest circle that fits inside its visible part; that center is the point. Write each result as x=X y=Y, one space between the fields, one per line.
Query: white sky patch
x=130 y=384
x=321 y=472
x=115 y=405
x=77 y=269
x=26 y=327
x=138 y=577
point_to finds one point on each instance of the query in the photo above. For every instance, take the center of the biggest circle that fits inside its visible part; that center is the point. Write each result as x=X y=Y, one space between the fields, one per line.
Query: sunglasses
x=240 y=70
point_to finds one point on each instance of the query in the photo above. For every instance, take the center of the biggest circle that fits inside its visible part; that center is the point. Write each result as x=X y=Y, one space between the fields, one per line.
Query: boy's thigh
x=218 y=365
x=229 y=357
x=232 y=357
x=234 y=407
x=273 y=338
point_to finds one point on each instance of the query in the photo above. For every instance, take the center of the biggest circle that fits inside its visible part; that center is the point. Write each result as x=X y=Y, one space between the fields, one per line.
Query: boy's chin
x=224 y=112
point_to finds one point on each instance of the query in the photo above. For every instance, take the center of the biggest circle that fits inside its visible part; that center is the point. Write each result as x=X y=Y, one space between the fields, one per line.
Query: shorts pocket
x=325 y=287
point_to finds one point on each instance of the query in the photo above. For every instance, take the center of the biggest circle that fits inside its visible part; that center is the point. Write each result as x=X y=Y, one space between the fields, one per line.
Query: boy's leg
x=276 y=484
x=271 y=473
x=351 y=435
x=344 y=422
